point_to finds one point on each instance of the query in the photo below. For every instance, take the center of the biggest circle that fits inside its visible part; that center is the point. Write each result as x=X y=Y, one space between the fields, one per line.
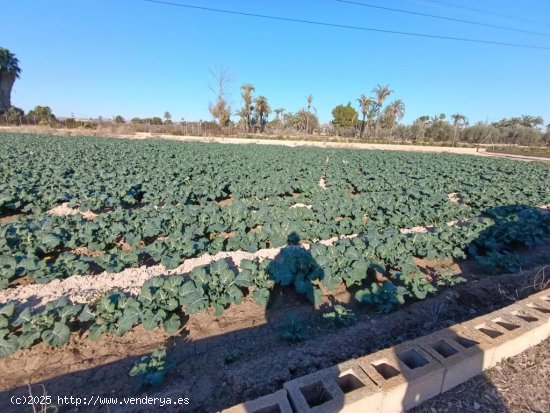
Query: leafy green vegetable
x=293 y=330
x=341 y=316
x=151 y=370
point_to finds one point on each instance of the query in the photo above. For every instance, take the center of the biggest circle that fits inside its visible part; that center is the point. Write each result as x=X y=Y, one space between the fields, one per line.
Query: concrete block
x=361 y=394
x=341 y=388
x=539 y=303
x=272 y=403
x=406 y=374
x=543 y=295
x=505 y=342
x=472 y=340
x=316 y=392
x=530 y=321
x=461 y=358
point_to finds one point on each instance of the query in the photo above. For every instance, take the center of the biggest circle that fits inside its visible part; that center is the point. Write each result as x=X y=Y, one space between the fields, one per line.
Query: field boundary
x=406 y=375
x=260 y=140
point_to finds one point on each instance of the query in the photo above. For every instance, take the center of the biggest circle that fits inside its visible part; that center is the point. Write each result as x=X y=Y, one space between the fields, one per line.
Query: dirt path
x=260 y=141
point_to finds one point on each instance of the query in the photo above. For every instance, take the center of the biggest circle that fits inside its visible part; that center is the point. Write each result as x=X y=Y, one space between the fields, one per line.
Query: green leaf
x=7 y=310
x=96 y=330
x=153 y=320
x=172 y=324
x=27 y=340
x=8 y=346
x=86 y=314
x=261 y=296
x=24 y=317
x=58 y=336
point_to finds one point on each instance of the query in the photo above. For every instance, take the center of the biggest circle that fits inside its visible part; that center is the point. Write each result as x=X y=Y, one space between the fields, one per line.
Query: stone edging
x=399 y=378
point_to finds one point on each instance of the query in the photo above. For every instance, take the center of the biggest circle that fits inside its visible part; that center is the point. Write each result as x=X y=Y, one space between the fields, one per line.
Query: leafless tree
x=221 y=109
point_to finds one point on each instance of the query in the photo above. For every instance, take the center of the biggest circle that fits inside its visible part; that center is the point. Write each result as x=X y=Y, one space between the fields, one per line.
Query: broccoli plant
x=115 y=313
x=231 y=357
x=297 y=266
x=213 y=285
x=341 y=262
x=448 y=278
x=413 y=279
x=151 y=370
x=8 y=341
x=52 y=325
x=498 y=262
x=160 y=304
x=293 y=330
x=341 y=316
x=384 y=297
x=255 y=274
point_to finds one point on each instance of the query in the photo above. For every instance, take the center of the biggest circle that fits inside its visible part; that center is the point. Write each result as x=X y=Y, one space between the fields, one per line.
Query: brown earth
x=9 y=218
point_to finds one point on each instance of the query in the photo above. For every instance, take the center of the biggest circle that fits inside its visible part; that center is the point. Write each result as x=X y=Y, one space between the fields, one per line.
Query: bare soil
x=9 y=218
x=520 y=152
x=262 y=140
x=221 y=361
x=65 y=210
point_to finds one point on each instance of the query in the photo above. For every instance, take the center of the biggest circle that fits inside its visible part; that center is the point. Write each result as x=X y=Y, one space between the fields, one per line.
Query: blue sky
x=130 y=57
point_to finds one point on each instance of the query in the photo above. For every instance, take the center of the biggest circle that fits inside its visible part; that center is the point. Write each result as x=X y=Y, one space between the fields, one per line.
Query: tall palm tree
x=9 y=71
x=309 y=101
x=246 y=94
x=365 y=105
x=262 y=111
x=381 y=93
x=531 y=121
x=397 y=112
x=459 y=120
x=279 y=114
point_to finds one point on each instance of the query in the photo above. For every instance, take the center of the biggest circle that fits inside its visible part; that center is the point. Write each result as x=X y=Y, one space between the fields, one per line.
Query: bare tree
x=221 y=109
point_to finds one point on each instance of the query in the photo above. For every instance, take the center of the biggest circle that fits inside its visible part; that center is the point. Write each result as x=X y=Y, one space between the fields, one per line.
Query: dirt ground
x=330 y=142
x=222 y=361
x=260 y=140
x=517 y=385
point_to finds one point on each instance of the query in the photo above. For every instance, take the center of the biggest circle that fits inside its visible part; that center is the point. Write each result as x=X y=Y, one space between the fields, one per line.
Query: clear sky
x=134 y=58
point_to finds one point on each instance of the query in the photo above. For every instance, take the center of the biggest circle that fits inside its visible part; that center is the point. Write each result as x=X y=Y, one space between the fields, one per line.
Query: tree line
x=369 y=119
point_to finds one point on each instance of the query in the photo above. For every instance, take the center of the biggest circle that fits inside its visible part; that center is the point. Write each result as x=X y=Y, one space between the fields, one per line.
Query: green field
x=163 y=202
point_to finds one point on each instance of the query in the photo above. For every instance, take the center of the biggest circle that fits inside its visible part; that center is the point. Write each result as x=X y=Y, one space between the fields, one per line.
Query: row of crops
x=164 y=301
x=164 y=202
x=156 y=201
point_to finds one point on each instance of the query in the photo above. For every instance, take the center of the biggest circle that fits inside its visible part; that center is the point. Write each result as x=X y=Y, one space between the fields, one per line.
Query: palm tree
x=309 y=100
x=9 y=71
x=459 y=120
x=246 y=94
x=279 y=114
x=381 y=93
x=365 y=104
x=531 y=121
x=167 y=116
x=397 y=112
x=262 y=111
